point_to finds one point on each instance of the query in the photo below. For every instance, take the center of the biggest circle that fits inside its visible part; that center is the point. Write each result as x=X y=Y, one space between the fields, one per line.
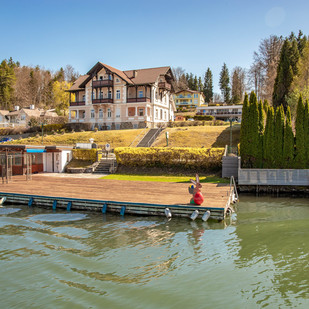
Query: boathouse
x=50 y=159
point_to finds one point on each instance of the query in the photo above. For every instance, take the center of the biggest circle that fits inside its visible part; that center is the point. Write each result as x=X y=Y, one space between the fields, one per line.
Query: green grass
x=163 y=178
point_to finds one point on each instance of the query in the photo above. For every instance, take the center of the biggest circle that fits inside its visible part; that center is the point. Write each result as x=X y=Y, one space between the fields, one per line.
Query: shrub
x=203 y=117
x=85 y=154
x=193 y=158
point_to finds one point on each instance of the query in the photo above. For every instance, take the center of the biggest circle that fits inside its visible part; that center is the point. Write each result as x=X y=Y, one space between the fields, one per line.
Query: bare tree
x=180 y=82
x=70 y=75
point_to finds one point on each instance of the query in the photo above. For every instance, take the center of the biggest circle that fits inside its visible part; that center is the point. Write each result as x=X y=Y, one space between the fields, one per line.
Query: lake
x=258 y=258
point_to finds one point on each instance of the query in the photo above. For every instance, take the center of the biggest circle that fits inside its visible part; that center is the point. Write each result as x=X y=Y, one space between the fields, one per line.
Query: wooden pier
x=113 y=196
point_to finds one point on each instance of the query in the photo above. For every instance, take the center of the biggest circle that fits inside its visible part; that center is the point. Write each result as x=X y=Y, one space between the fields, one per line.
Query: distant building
x=189 y=98
x=21 y=117
x=180 y=118
x=108 y=98
x=221 y=112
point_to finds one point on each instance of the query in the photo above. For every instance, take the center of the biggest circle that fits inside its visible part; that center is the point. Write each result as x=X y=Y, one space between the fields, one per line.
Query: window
x=117 y=126
x=84 y=98
x=101 y=94
x=117 y=113
x=109 y=94
x=196 y=95
x=93 y=95
x=92 y=113
x=165 y=115
x=131 y=111
x=161 y=114
x=117 y=80
x=141 y=112
x=156 y=95
x=22 y=117
x=110 y=77
x=82 y=115
x=118 y=94
x=101 y=77
x=109 y=113
x=141 y=94
x=157 y=114
x=100 y=113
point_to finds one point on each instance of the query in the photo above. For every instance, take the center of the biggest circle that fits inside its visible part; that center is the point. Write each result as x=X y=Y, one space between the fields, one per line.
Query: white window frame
x=92 y=114
x=109 y=113
x=117 y=94
x=100 y=113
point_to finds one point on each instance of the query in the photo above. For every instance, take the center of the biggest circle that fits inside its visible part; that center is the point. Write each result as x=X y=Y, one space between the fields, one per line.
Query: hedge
x=195 y=158
x=85 y=154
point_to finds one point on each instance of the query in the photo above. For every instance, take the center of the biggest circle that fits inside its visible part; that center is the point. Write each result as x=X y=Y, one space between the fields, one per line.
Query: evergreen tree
x=253 y=131
x=265 y=106
x=306 y=132
x=200 y=85
x=278 y=138
x=7 y=81
x=261 y=133
x=300 y=153
x=224 y=83
x=195 y=83
x=244 y=142
x=208 y=86
x=268 y=153
x=288 y=143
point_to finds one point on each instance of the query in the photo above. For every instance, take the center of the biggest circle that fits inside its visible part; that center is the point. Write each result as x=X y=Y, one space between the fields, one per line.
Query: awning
x=35 y=150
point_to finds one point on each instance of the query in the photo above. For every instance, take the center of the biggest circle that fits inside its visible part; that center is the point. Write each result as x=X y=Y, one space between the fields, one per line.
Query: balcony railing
x=106 y=100
x=165 y=85
x=77 y=103
x=142 y=99
x=102 y=83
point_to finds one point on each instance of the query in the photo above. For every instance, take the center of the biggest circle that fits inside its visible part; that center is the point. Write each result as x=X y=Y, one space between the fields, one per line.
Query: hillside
x=203 y=136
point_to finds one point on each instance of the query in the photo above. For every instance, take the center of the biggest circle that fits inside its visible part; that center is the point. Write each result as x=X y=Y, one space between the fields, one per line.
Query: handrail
x=154 y=137
x=142 y=133
x=233 y=186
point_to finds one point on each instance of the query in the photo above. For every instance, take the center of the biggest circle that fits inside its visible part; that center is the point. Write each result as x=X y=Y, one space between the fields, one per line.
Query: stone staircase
x=149 y=138
x=105 y=166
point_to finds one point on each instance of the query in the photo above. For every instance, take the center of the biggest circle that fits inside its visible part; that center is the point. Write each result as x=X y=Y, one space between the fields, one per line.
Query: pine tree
x=300 y=153
x=253 y=131
x=224 y=83
x=7 y=81
x=268 y=153
x=245 y=122
x=208 y=86
x=200 y=84
x=306 y=132
x=195 y=83
x=278 y=137
x=288 y=144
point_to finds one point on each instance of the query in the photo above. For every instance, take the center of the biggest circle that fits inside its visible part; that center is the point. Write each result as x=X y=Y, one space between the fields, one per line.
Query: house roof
x=132 y=77
x=146 y=76
x=37 y=112
x=188 y=90
x=4 y=112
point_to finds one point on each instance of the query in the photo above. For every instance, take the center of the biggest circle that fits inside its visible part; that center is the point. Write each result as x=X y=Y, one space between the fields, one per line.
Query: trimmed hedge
x=195 y=158
x=203 y=117
x=85 y=154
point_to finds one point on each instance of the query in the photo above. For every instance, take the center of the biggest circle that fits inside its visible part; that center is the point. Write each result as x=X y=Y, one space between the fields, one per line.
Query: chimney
x=32 y=106
x=16 y=108
x=134 y=73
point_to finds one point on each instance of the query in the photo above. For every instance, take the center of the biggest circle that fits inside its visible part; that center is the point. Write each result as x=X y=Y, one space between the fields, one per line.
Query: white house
x=221 y=112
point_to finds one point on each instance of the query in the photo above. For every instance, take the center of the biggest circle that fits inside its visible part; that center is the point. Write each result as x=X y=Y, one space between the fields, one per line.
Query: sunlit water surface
x=257 y=259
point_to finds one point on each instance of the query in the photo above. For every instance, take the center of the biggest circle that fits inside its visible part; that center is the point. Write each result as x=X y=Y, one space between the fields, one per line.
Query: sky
x=192 y=34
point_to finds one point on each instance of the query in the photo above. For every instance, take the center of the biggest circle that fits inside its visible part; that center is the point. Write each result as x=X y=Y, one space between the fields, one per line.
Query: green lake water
x=257 y=259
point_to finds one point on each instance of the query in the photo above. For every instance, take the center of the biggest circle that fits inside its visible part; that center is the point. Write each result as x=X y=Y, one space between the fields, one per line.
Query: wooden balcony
x=102 y=83
x=77 y=103
x=165 y=86
x=99 y=101
x=142 y=99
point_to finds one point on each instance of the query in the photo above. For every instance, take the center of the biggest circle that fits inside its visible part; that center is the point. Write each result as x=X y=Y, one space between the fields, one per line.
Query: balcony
x=102 y=83
x=99 y=101
x=77 y=103
x=141 y=99
x=165 y=85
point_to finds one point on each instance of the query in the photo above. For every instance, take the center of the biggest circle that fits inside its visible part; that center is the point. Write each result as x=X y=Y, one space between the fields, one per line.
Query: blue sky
x=193 y=34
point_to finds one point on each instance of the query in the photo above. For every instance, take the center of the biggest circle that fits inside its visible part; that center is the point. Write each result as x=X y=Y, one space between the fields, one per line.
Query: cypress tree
x=268 y=154
x=244 y=144
x=306 y=132
x=253 y=130
x=208 y=86
x=300 y=154
x=278 y=138
x=265 y=106
x=224 y=83
x=288 y=144
x=261 y=132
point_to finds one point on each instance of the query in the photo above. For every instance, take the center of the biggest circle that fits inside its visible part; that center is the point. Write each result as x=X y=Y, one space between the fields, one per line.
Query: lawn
x=182 y=179
x=201 y=136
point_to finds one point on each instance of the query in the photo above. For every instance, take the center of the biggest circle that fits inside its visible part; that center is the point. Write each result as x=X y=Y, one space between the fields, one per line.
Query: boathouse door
x=49 y=162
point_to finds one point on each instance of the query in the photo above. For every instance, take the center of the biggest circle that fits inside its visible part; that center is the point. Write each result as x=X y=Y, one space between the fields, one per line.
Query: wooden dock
x=113 y=196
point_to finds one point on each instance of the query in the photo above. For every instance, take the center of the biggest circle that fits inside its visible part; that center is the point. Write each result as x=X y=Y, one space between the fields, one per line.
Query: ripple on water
x=59 y=217
x=7 y=211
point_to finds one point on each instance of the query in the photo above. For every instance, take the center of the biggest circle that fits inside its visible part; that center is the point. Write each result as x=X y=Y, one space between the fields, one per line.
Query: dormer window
x=101 y=77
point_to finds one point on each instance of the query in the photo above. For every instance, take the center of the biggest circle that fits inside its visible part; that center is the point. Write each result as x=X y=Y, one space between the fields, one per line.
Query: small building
x=221 y=112
x=180 y=118
x=189 y=98
x=49 y=159
x=21 y=117
x=4 y=120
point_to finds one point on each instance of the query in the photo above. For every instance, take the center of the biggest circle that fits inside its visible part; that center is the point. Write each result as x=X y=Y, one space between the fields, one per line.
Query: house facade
x=4 y=120
x=189 y=98
x=222 y=112
x=107 y=98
